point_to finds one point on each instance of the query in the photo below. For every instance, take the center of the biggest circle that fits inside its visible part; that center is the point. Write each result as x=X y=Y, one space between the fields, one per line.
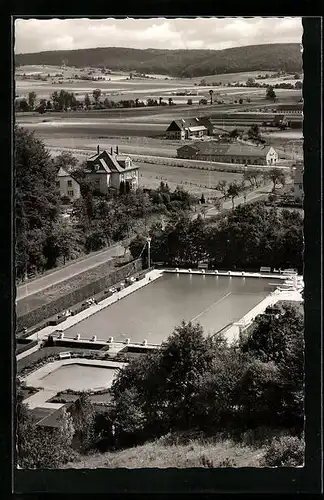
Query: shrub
x=286 y=451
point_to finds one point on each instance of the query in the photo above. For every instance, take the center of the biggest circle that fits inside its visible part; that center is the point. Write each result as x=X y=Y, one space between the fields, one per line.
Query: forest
x=179 y=63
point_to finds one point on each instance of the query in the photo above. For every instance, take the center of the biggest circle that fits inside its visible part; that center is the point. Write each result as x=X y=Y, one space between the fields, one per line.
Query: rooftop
x=230 y=149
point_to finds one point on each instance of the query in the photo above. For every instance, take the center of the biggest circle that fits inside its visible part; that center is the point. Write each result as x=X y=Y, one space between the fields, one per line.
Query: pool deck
x=233 y=332
x=237 y=274
x=93 y=309
x=35 y=380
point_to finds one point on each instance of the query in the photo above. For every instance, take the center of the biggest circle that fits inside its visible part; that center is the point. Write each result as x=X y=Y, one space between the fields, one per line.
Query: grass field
x=194 y=181
x=118 y=88
x=193 y=453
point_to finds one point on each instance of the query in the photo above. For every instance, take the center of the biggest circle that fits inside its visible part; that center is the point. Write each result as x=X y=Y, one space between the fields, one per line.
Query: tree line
x=248 y=237
x=67 y=101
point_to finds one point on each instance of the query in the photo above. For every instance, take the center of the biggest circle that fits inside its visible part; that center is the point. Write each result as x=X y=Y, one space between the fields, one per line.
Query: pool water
x=154 y=311
x=78 y=377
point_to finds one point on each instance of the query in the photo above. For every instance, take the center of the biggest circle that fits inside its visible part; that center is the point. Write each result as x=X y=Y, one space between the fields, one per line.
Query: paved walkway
x=39 y=399
x=28 y=352
x=233 y=332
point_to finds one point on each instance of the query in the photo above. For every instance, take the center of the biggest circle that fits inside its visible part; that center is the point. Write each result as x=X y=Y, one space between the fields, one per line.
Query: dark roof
x=189 y=122
x=110 y=163
x=230 y=149
x=296 y=106
x=238 y=149
x=62 y=172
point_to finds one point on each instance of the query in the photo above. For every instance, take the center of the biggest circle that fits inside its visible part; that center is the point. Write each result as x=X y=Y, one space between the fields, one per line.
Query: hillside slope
x=195 y=453
x=185 y=63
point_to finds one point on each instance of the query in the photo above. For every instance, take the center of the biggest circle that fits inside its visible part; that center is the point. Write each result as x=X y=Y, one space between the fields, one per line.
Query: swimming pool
x=154 y=311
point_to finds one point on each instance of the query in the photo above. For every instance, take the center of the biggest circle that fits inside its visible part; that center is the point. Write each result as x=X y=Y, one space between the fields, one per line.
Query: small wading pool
x=153 y=311
x=78 y=377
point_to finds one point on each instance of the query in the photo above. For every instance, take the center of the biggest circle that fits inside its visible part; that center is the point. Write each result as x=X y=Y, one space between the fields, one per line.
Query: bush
x=286 y=451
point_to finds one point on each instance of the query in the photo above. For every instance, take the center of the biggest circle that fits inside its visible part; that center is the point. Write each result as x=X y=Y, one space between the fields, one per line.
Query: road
x=68 y=271
x=259 y=193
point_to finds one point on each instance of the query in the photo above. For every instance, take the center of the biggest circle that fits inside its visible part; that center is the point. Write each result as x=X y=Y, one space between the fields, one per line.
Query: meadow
x=118 y=86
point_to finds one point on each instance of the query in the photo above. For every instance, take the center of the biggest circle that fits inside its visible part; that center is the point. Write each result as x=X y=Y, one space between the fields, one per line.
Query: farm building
x=190 y=127
x=68 y=186
x=230 y=153
x=295 y=107
x=109 y=170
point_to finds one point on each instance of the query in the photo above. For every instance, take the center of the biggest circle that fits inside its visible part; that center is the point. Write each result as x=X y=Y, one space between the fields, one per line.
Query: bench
x=64 y=355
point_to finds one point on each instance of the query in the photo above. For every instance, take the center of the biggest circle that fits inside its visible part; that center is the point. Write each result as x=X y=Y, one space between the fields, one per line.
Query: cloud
x=35 y=35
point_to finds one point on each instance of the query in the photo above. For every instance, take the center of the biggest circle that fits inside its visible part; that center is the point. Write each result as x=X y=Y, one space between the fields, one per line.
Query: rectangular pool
x=153 y=311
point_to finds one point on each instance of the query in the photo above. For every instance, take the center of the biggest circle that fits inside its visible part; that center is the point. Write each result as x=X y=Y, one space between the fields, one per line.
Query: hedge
x=76 y=296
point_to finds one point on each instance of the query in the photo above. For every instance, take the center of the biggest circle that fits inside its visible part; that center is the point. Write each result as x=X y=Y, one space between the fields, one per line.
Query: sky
x=36 y=35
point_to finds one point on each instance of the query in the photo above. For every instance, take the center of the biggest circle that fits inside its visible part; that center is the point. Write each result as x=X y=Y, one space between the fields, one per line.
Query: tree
x=211 y=95
x=221 y=186
x=84 y=422
x=96 y=95
x=31 y=100
x=189 y=102
x=254 y=133
x=234 y=133
x=37 y=200
x=299 y=85
x=270 y=94
x=204 y=211
x=170 y=101
x=38 y=447
x=87 y=101
x=137 y=247
x=202 y=199
x=203 y=101
x=23 y=105
x=243 y=189
x=68 y=240
x=217 y=203
x=278 y=338
x=164 y=385
x=275 y=175
x=66 y=160
x=241 y=101
x=250 y=82
x=233 y=191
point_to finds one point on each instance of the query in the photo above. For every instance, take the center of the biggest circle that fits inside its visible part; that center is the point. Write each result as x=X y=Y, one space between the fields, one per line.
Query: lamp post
x=149 y=252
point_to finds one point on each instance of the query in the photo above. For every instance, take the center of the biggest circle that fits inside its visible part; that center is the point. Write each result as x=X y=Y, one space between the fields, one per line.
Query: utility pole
x=149 y=252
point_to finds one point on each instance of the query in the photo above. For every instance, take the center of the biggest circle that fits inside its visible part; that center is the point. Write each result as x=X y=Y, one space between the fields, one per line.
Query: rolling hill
x=181 y=63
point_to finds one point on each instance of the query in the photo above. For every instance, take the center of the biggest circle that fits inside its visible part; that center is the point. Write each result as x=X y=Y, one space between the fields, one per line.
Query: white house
x=108 y=170
x=68 y=186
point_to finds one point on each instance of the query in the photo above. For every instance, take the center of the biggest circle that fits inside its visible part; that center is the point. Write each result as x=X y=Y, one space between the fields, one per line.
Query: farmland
x=141 y=130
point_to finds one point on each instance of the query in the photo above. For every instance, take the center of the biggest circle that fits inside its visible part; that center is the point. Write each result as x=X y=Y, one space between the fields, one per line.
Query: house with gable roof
x=189 y=127
x=67 y=185
x=109 y=169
